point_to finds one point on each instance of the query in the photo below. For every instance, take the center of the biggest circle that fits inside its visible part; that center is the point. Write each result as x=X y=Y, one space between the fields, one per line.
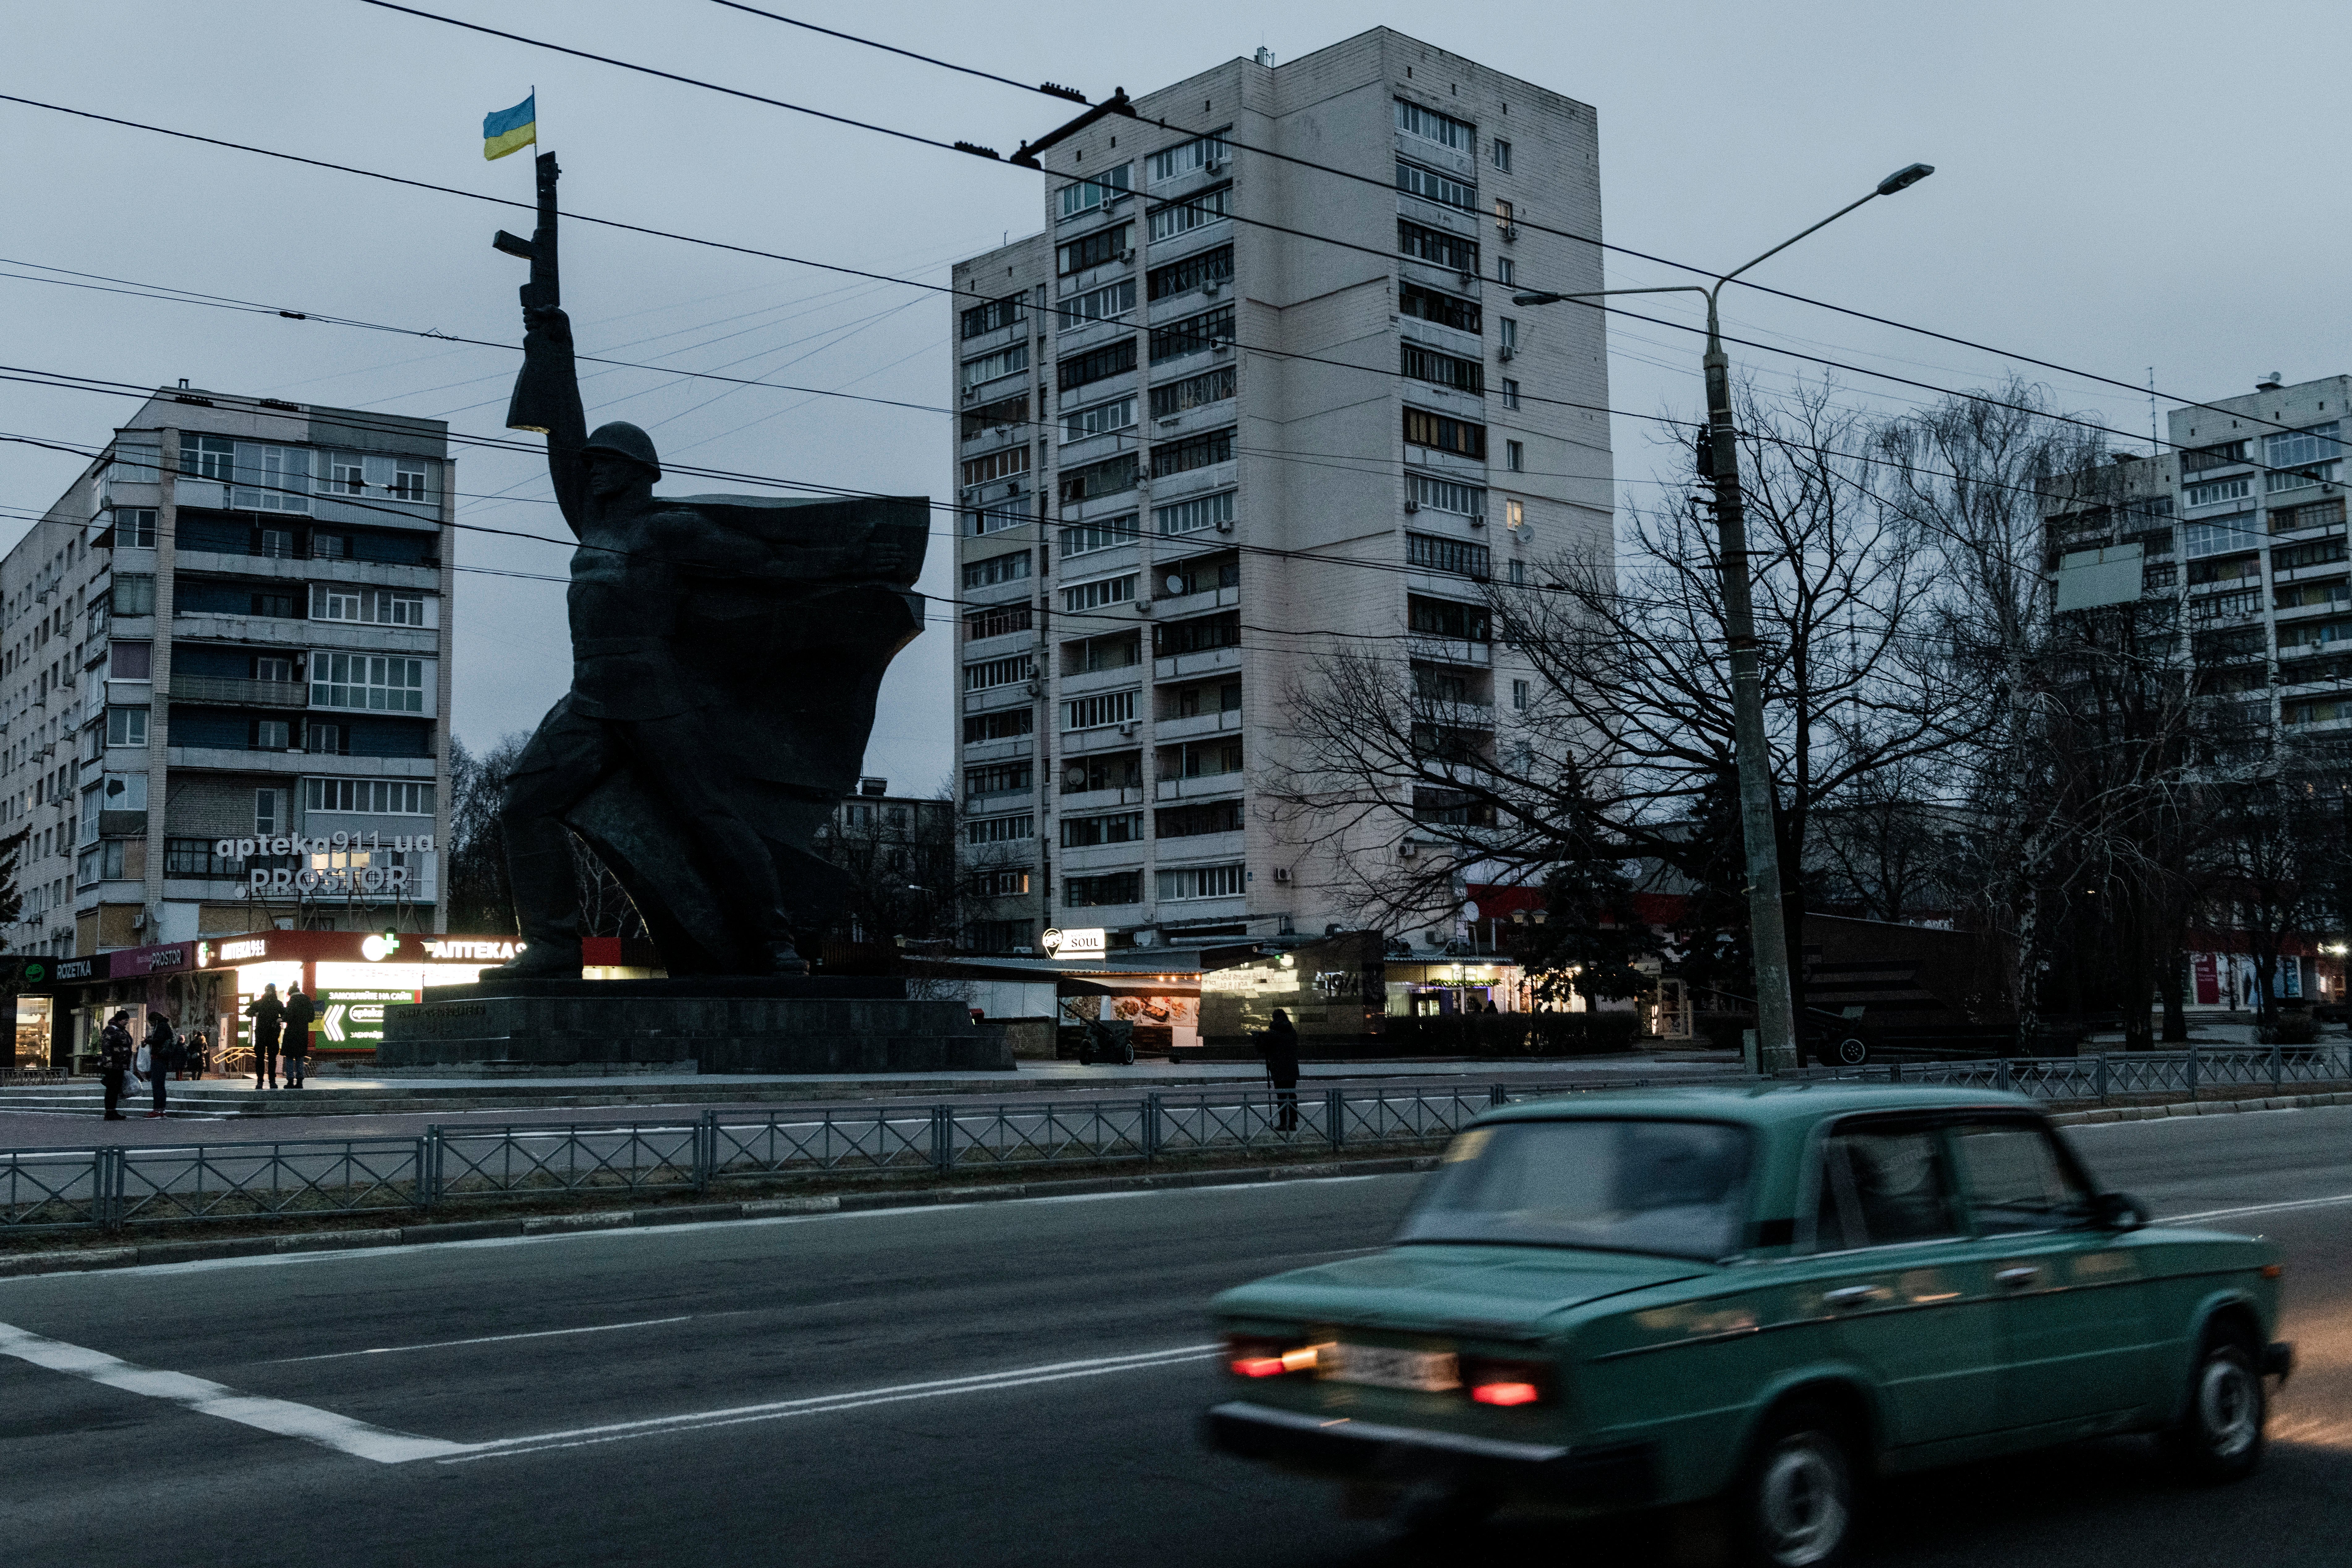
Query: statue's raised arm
x=547 y=391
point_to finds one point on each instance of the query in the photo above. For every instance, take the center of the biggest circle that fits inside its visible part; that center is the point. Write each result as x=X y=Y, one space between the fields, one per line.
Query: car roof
x=1761 y=1105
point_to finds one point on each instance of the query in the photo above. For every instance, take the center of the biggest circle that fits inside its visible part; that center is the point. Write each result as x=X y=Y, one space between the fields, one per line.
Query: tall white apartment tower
x=1255 y=393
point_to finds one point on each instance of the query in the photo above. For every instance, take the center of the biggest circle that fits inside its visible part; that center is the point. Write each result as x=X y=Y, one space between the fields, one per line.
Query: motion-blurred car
x=1752 y=1301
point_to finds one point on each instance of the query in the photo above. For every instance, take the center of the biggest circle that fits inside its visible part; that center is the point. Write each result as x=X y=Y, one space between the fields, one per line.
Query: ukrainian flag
x=510 y=129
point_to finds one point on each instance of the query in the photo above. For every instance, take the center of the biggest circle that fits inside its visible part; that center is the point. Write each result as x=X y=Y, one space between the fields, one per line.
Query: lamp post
x=1775 y=1012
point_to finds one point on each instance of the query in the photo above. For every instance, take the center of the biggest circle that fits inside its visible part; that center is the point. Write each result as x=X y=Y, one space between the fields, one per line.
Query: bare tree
x=479 y=898
x=1626 y=747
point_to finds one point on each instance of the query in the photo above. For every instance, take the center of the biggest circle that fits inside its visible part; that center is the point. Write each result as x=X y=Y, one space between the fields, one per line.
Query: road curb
x=2199 y=1108
x=426 y=1234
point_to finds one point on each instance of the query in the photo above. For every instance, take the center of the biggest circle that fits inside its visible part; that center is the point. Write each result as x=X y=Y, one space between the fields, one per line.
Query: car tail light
x=1506 y=1383
x=1251 y=1356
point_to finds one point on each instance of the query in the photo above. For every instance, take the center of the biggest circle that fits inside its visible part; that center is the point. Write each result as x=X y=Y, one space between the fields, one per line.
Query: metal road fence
x=115 y=1186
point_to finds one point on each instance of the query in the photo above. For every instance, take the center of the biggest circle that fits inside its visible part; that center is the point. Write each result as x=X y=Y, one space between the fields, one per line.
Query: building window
x=1009 y=724
x=1507 y=334
x=2311 y=514
x=1093 y=892
x=1444 y=370
x=1502 y=155
x=1086 y=831
x=1445 y=495
x=1091 y=250
x=1203 y=575
x=1442 y=129
x=331 y=546
x=2220 y=491
x=996 y=569
x=1193 y=391
x=373 y=607
x=1507 y=271
x=1515 y=457
x=1003 y=464
x=1204 y=450
x=1515 y=510
x=1000 y=829
x=996 y=519
x=1089 y=537
x=2218 y=456
x=407 y=482
x=1448 y=619
x=1094 y=595
x=1192 y=821
x=1109 y=477
x=1092 y=196
x=1002 y=620
x=1445 y=310
x=207 y=457
x=2220 y=535
x=1194 y=335
x=1200 y=634
x=1003 y=362
x=1187 y=157
x=1201 y=882
x=1102 y=419
x=374 y=683
x=1003 y=778
x=1096 y=364
x=1520 y=695
x=1001 y=414
x=268 y=811
x=1193 y=516
x=376 y=797
x=131 y=661
x=1443 y=433
x=1196 y=211
x=1510 y=393
x=982 y=319
x=1518 y=573
x=126 y=726
x=1432 y=187
x=1459 y=556
x=134 y=528
x=1437 y=248
x=994 y=672
x=134 y=595
x=1107 y=303
x=1098 y=713
x=272 y=735
x=1196 y=271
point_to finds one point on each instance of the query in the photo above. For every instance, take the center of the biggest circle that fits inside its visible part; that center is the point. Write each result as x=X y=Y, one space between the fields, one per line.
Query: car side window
x=1880 y=1186
x=2014 y=1179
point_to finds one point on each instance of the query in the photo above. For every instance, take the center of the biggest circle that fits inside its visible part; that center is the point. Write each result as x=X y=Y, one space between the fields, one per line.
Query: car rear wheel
x=1793 y=1505
x=2219 y=1437
x=1851 y=1051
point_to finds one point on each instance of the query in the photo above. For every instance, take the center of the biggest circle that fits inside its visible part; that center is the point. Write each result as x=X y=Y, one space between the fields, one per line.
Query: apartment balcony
x=292 y=569
x=233 y=693
x=1209 y=661
x=1110 y=677
x=1185 y=605
x=1446 y=650
x=1196 y=726
x=2296 y=614
x=1208 y=786
x=1012 y=694
x=1091 y=859
x=1205 y=845
x=1108 y=738
x=1008 y=800
x=1073 y=802
x=2322 y=572
x=240 y=759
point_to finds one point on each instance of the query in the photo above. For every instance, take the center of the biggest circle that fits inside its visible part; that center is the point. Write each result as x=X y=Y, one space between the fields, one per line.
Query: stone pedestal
x=821 y=1023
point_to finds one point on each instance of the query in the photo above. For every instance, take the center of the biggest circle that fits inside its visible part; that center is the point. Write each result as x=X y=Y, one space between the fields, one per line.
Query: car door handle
x=2017 y=1278
x=1851 y=1296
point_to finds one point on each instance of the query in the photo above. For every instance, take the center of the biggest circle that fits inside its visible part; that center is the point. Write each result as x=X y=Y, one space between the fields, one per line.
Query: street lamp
x=1775 y=1012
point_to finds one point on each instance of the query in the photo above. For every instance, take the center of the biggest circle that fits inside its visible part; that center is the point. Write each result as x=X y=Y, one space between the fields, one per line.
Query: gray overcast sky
x=2117 y=186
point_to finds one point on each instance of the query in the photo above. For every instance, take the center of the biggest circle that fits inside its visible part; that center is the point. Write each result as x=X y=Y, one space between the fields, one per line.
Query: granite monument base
x=818 y=1024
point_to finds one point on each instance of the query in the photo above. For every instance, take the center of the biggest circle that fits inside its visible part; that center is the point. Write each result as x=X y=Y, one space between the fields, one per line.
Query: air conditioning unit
x=1411 y=506
x=1282 y=873
x=1220 y=349
x=1225 y=525
x=1213 y=167
x=1507 y=353
x=1469 y=279
x=1478 y=522
x=1142 y=606
x=1510 y=231
x=1407 y=848
x=1127 y=728
x=1212 y=289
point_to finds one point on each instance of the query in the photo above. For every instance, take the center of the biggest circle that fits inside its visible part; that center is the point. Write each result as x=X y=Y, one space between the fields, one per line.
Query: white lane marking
x=484 y=1340
x=2256 y=1208
x=282 y=1416
x=784 y=1409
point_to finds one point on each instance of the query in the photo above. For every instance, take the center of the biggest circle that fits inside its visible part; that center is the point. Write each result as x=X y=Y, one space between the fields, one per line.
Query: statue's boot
x=547 y=898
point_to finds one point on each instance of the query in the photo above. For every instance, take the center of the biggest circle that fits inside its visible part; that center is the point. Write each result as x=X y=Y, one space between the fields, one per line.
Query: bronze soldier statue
x=725 y=654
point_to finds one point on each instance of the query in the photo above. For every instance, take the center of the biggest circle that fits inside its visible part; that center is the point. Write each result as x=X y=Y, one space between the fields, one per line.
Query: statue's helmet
x=625 y=439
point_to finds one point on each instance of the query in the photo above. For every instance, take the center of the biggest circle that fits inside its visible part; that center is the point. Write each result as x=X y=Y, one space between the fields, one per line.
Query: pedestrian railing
x=115 y=1186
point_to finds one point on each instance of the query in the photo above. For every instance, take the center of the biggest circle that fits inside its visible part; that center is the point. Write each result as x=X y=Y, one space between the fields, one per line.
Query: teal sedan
x=1748 y=1303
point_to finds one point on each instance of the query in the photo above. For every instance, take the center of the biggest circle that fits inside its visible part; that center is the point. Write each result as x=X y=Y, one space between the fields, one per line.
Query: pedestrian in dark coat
x=1279 y=1045
x=268 y=1015
x=161 y=1041
x=115 y=1049
x=299 y=1014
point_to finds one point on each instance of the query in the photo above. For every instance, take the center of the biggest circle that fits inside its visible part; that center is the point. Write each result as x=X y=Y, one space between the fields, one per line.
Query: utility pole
x=1776 y=1009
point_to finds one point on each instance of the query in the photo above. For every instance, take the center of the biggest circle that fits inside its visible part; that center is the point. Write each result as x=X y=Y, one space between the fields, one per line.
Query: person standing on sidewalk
x=155 y=1053
x=299 y=1014
x=268 y=1015
x=115 y=1051
x=1279 y=1046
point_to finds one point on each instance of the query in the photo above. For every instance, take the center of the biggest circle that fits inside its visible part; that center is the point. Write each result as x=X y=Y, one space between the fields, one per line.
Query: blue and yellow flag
x=510 y=129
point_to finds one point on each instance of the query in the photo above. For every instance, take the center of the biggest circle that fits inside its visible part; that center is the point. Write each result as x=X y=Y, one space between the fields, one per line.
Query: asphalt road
x=1009 y=1383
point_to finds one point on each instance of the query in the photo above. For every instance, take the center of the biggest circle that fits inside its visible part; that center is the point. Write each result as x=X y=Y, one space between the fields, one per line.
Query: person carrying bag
x=116 y=1051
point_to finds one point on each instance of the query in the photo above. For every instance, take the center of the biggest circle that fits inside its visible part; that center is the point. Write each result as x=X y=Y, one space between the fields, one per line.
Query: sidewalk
x=231 y=1110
